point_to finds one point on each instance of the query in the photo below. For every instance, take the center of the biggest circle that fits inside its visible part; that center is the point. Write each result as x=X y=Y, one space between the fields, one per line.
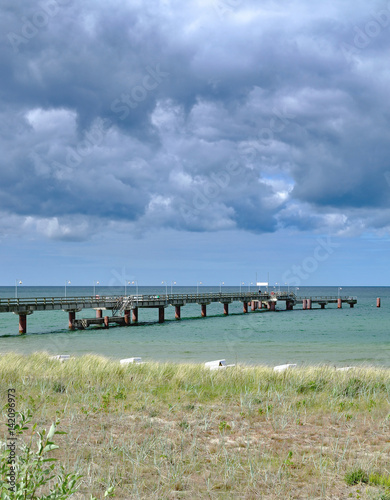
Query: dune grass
x=172 y=431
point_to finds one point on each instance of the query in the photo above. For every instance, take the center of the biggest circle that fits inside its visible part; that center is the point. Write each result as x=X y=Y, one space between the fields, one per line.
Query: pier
x=124 y=311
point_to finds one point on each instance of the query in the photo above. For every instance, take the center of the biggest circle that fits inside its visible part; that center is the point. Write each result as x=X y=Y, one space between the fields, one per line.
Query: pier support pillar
x=177 y=312
x=378 y=302
x=253 y=305
x=339 y=304
x=322 y=306
x=106 y=322
x=272 y=305
x=304 y=304
x=289 y=305
x=22 y=323
x=135 y=315
x=72 y=317
x=308 y=304
x=245 y=307
x=204 y=310
x=127 y=317
x=226 y=309
x=99 y=313
x=161 y=317
x=351 y=304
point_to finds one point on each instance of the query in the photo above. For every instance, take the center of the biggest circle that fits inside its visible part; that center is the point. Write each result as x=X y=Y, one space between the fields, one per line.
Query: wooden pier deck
x=124 y=310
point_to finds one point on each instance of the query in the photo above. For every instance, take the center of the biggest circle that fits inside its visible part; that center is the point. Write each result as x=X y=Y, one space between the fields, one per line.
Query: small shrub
x=353 y=388
x=224 y=426
x=59 y=387
x=356 y=476
x=312 y=386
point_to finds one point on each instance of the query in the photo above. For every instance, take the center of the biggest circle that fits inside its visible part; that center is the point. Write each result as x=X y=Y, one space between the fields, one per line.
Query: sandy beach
x=183 y=431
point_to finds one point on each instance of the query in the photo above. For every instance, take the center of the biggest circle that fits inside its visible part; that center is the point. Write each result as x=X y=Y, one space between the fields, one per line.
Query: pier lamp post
x=135 y=282
x=288 y=287
x=220 y=286
x=241 y=283
x=166 y=290
x=197 y=286
x=94 y=287
x=249 y=286
x=172 y=283
x=17 y=282
x=126 y=283
x=296 y=289
x=338 y=292
x=67 y=282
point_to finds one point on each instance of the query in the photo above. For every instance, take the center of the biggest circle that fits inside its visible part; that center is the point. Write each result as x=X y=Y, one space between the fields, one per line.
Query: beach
x=172 y=431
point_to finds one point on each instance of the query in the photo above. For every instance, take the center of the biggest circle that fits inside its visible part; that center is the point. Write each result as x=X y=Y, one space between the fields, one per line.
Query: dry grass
x=166 y=431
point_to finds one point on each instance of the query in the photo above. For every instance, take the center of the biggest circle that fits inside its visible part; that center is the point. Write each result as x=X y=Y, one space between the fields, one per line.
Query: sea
x=340 y=337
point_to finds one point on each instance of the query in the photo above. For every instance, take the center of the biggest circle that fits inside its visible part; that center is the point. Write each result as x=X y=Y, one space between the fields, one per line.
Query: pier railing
x=110 y=300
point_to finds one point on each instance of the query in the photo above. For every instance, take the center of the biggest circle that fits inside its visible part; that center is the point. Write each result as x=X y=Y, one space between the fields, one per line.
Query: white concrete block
x=282 y=368
x=61 y=357
x=135 y=360
x=218 y=364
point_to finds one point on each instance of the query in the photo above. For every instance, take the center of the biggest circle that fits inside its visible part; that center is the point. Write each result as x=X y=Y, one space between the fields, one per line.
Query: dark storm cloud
x=189 y=116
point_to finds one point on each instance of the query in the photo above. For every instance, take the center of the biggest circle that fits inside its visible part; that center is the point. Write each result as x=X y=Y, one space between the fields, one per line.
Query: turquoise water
x=341 y=337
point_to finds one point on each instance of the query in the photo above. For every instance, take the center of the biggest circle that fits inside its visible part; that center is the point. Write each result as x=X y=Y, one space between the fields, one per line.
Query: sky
x=199 y=141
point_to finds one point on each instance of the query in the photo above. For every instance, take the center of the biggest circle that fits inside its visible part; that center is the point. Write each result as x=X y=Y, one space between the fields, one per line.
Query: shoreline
x=239 y=365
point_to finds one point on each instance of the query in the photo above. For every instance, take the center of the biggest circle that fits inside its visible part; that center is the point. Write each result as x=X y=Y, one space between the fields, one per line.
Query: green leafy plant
x=29 y=474
x=33 y=470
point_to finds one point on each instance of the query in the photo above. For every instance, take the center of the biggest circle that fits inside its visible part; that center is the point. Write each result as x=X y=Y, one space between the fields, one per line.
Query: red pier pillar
x=245 y=307
x=253 y=305
x=106 y=322
x=177 y=312
x=99 y=313
x=135 y=315
x=22 y=323
x=289 y=305
x=204 y=310
x=378 y=302
x=72 y=317
x=304 y=304
x=226 y=309
x=272 y=305
x=308 y=304
x=127 y=317
x=161 y=317
x=339 y=304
